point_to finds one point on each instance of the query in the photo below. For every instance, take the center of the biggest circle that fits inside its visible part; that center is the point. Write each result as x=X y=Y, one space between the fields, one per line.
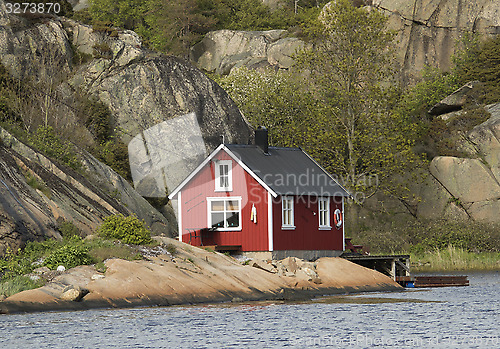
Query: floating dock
x=398 y=268
x=433 y=281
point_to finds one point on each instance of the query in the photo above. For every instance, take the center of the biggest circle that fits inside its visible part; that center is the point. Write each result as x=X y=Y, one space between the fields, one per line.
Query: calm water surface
x=452 y=317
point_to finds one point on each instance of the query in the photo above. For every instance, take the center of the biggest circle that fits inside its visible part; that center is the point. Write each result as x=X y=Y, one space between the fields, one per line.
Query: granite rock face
x=143 y=89
x=30 y=213
x=223 y=50
x=428 y=29
x=168 y=111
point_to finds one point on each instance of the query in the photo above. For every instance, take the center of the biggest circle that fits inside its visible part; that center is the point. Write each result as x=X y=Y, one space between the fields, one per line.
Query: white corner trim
x=270 y=221
x=343 y=225
x=179 y=214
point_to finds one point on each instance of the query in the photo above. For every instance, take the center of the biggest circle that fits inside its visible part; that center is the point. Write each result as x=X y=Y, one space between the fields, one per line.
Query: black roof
x=288 y=171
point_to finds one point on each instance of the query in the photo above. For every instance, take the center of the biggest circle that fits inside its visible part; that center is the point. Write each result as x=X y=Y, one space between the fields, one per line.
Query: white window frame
x=229 y=165
x=326 y=211
x=209 y=212
x=287 y=203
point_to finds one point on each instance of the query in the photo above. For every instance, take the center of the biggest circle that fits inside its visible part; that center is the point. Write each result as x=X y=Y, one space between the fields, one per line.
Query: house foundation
x=308 y=255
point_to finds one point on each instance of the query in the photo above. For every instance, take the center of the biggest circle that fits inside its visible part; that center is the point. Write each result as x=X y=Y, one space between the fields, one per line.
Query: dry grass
x=452 y=258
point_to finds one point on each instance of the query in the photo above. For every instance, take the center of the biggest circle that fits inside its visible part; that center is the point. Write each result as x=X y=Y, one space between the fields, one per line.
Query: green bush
x=13 y=264
x=24 y=261
x=68 y=230
x=69 y=256
x=129 y=230
x=114 y=153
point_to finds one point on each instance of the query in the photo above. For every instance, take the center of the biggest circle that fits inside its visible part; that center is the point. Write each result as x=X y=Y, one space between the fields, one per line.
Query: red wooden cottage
x=262 y=201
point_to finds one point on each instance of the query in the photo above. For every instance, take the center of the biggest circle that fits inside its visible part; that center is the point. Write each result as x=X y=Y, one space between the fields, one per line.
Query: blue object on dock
x=410 y=284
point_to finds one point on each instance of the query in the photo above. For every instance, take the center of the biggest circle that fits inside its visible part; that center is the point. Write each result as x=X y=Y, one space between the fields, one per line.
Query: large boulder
x=471 y=184
x=221 y=51
x=467 y=187
x=469 y=180
x=436 y=202
x=484 y=140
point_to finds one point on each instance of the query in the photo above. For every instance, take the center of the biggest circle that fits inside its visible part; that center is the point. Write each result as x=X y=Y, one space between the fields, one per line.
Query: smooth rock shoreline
x=191 y=276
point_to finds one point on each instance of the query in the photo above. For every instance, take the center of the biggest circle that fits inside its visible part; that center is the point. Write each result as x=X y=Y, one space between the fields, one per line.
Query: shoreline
x=194 y=276
x=291 y=295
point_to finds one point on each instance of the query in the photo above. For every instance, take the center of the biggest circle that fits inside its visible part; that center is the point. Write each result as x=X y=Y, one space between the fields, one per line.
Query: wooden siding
x=253 y=236
x=307 y=235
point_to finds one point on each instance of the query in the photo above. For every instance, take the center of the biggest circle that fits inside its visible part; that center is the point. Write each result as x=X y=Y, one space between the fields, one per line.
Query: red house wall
x=306 y=235
x=253 y=236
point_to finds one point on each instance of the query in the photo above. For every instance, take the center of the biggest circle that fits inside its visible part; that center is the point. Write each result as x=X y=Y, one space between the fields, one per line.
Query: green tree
x=350 y=67
x=277 y=100
x=128 y=14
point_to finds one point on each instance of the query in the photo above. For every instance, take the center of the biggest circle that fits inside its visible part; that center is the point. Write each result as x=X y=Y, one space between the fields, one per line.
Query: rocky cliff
x=428 y=29
x=144 y=90
x=427 y=34
x=223 y=50
x=141 y=88
x=36 y=194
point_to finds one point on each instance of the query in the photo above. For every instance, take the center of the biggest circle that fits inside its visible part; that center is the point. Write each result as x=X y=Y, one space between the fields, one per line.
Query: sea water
x=450 y=317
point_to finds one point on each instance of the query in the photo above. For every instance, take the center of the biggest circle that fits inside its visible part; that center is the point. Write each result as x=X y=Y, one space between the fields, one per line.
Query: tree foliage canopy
x=338 y=101
x=351 y=71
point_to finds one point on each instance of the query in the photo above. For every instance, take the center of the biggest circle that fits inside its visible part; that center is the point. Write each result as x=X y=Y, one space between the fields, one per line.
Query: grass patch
x=35 y=183
x=422 y=236
x=437 y=245
x=18 y=284
x=453 y=258
x=101 y=250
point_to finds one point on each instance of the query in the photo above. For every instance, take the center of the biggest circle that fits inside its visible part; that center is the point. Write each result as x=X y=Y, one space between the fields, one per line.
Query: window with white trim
x=223 y=175
x=324 y=212
x=224 y=213
x=287 y=212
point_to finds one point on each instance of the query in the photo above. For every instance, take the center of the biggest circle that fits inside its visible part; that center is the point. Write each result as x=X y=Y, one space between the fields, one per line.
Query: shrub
x=114 y=153
x=68 y=230
x=102 y=50
x=129 y=230
x=69 y=256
